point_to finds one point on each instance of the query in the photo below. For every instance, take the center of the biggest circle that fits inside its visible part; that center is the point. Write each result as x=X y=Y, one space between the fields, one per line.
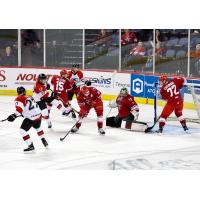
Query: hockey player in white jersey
x=26 y=107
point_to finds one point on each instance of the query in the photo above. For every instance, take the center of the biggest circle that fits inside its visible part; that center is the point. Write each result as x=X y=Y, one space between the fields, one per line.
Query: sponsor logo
x=29 y=77
x=138 y=85
x=2 y=75
x=100 y=80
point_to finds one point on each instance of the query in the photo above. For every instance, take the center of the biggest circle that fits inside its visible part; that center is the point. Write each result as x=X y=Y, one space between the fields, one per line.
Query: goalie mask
x=124 y=92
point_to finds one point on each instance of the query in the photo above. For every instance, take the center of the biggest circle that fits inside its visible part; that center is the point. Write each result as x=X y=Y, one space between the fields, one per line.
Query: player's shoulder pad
x=21 y=99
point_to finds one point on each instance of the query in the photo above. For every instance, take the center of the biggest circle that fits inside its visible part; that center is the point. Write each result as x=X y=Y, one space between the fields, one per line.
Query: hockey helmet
x=85 y=90
x=75 y=67
x=124 y=92
x=162 y=80
x=21 y=90
x=42 y=78
x=63 y=72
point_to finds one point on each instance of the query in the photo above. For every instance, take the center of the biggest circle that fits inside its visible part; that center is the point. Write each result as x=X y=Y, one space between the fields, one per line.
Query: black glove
x=12 y=117
x=54 y=95
x=74 y=87
x=88 y=83
x=47 y=86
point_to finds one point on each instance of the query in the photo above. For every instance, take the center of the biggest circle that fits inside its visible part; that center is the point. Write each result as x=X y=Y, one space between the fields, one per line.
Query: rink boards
x=108 y=82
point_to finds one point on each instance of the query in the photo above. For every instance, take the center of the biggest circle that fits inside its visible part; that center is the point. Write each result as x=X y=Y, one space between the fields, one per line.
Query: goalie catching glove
x=112 y=104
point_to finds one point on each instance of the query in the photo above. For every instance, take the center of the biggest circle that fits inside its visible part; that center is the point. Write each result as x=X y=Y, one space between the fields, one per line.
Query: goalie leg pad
x=134 y=126
x=113 y=122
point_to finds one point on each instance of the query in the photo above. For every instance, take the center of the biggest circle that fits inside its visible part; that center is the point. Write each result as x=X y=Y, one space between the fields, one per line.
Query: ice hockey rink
x=118 y=149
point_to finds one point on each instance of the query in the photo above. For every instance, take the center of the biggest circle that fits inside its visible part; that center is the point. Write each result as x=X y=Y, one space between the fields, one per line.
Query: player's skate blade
x=159 y=131
x=101 y=131
x=30 y=149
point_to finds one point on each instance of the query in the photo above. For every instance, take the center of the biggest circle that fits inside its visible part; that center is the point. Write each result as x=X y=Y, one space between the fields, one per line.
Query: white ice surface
x=118 y=149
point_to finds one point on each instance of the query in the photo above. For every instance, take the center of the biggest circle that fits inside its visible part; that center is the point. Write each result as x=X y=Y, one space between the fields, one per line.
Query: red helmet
x=163 y=79
x=85 y=90
x=63 y=72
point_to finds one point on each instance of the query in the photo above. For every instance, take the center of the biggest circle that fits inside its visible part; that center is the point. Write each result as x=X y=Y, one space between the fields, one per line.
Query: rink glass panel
x=195 y=53
x=101 y=49
x=64 y=47
x=32 y=47
x=171 y=51
x=137 y=50
x=8 y=47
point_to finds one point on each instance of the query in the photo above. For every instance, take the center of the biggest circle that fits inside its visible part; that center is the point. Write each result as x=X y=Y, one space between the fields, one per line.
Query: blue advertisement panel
x=150 y=86
x=137 y=85
x=143 y=86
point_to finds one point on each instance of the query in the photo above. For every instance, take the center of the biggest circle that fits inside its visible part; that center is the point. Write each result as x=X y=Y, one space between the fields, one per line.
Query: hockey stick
x=3 y=120
x=151 y=127
x=109 y=112
x=61 y=139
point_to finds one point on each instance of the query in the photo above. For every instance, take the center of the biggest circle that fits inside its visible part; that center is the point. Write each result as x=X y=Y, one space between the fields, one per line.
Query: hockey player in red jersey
x=128 y=109
x=88 y=98
x=75 y=75
x=61 y=84
x=170 y=92
x=42 y=97
x=26 y=107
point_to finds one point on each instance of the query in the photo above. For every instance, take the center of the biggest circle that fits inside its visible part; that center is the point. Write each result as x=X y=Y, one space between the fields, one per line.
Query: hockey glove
x=54 y=95
x=12 y=117
x=88 y=83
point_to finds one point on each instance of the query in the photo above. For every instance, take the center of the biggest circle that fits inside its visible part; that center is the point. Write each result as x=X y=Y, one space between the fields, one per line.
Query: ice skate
x=185 y=128
x=49 y=124
x=44 y=142
x=159 y=131
x=74 y=130
x=101 y=131
x=30 y=149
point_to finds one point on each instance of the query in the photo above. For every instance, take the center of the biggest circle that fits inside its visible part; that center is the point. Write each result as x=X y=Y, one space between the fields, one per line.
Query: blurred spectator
x=196 y=53
x=8 y=59
x=139 y=50
x=195 y=32
x=159 y=50
x=30 y=38
x=103 y=38
x=128 y=37
x=159 y=36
